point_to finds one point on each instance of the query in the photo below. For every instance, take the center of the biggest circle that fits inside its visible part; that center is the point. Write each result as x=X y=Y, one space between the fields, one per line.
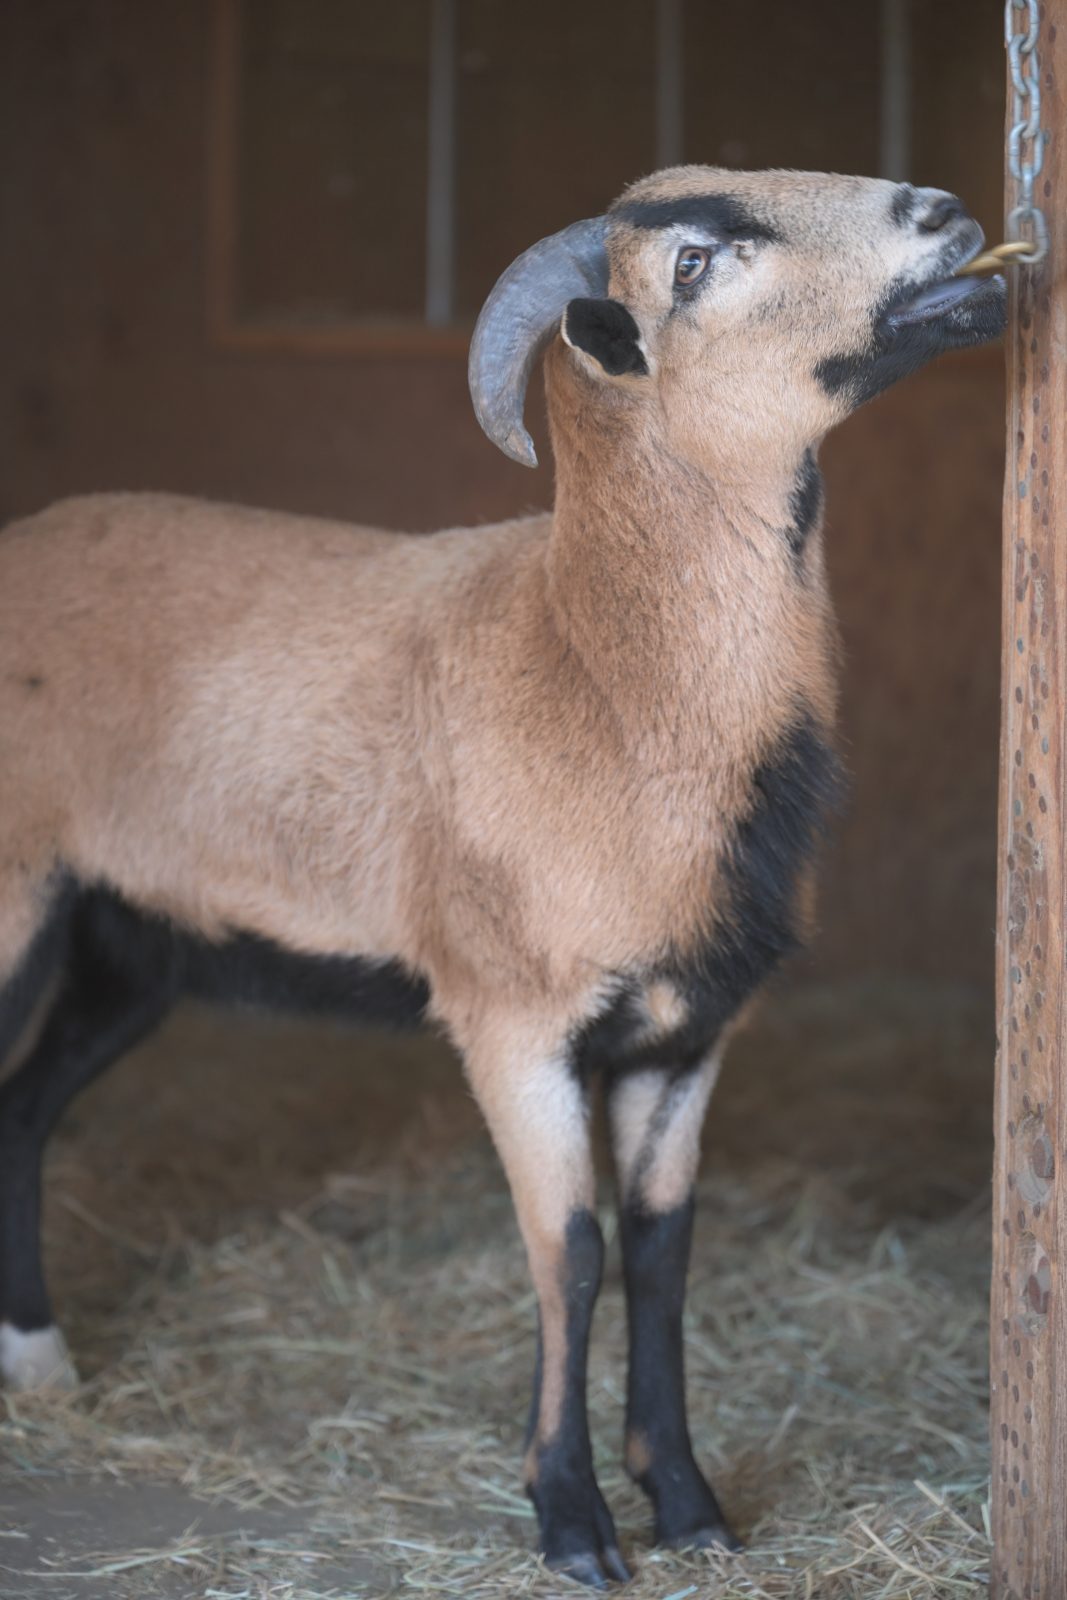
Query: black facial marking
x=805 y=502
x=859 y=377
x=655 y=1258
x=902 y=206
x=794 y=793
x=722 y=214
x=577 y=1533
x=605 y=330
x=33 y=680
x=894 y=353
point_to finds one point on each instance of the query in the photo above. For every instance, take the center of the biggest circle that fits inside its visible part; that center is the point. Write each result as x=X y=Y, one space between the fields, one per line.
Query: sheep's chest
x=670 y=1012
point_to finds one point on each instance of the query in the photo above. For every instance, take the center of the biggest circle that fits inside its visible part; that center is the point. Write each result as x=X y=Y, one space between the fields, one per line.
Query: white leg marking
x=656 y=1126
x=35 y=1360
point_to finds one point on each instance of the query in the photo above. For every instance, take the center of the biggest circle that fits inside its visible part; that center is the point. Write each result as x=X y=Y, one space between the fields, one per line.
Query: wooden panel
x=782 y=85
x=318 y=136
x=556 y=113
x=332 y=134
x=913 y=487
x=1029 y=1308
x=958 y=100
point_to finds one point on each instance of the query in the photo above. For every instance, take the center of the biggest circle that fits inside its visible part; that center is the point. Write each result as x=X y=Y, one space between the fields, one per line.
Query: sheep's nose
x=941 y=210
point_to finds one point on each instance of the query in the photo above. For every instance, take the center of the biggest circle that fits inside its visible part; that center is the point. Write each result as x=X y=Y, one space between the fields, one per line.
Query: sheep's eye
x=693 y=261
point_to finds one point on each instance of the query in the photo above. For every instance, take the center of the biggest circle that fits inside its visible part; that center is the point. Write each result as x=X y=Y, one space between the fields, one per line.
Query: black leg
x=117 y=985
x=659 y=1454
x=577 y=1532
x=23 y=988
x=656 y=1118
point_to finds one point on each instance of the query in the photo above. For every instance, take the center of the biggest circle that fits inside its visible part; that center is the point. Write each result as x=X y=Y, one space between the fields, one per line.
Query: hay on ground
x=292 y=1280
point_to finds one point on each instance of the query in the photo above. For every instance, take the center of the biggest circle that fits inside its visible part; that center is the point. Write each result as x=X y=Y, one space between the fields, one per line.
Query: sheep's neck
x=678 y=588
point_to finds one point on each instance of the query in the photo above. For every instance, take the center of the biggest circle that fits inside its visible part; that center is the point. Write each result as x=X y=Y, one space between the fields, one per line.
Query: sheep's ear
x=605 y=330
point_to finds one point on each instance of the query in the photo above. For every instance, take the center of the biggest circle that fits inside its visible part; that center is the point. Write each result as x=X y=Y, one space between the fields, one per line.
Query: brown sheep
x=555 y=784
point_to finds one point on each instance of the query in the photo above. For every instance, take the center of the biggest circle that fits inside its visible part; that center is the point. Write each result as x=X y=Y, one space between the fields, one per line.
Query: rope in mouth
x=1015 y=252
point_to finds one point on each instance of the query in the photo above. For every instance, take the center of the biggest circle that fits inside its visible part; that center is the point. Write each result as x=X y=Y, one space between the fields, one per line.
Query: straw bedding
x=286 y=1262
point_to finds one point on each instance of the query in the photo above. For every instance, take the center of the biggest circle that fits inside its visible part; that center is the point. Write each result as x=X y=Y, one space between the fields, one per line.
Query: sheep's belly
x=248 y=970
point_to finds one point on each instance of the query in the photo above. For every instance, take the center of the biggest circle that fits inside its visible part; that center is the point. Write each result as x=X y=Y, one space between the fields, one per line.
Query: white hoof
x=37 y=1360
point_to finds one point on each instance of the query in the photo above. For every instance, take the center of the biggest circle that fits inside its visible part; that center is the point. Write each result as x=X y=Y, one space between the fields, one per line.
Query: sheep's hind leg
x=116 y=985
x=538 y=1116
x=656 y=1118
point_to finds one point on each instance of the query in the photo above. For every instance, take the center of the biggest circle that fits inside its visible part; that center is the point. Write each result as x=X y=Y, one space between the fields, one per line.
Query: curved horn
x=518 y=319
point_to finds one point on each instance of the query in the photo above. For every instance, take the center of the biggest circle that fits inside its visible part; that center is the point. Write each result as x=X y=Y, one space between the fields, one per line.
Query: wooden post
x=1028 y=1335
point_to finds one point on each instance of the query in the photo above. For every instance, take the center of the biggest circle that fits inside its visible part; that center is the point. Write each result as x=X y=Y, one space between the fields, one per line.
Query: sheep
x=556 y=785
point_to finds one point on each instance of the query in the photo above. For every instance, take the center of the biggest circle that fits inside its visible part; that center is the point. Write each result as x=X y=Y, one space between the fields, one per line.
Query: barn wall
x=108 y=378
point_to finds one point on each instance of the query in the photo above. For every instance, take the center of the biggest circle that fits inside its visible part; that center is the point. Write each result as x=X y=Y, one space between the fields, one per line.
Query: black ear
x=605 y=330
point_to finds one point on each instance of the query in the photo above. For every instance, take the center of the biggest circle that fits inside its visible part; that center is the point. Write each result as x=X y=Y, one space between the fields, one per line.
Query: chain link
x=1026 y=141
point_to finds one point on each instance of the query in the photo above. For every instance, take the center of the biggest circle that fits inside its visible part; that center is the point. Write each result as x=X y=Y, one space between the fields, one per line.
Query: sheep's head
x=765 y=302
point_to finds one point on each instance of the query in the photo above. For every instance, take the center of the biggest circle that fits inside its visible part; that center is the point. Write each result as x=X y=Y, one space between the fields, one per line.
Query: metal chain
x=1026 y=141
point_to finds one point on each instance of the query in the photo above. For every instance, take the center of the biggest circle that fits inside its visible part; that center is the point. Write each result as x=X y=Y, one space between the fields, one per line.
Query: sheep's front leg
x=656 y=1118
x=539 y=1119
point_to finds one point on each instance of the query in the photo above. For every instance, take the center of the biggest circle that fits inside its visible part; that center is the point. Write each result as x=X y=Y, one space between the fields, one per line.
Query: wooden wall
x=109 y=378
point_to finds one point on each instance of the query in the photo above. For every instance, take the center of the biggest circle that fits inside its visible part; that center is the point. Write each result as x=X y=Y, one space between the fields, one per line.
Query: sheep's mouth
x=938 y=299
x=917 y=321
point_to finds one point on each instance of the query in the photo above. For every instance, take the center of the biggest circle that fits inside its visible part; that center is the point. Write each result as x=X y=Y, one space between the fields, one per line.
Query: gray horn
x=518 y=319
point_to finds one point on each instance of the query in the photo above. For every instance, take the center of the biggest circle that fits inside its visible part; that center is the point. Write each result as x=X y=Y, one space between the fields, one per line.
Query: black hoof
x=614 y=1565
x=595 y=1570
x=717 y=1536
x=579 y=1540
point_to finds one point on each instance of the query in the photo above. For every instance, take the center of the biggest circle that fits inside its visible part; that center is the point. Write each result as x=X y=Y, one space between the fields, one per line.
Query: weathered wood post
x=1029 y=1293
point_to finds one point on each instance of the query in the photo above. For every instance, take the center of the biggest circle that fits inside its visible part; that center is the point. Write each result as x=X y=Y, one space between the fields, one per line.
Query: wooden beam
x=228 y=326
x=1028 y=1335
